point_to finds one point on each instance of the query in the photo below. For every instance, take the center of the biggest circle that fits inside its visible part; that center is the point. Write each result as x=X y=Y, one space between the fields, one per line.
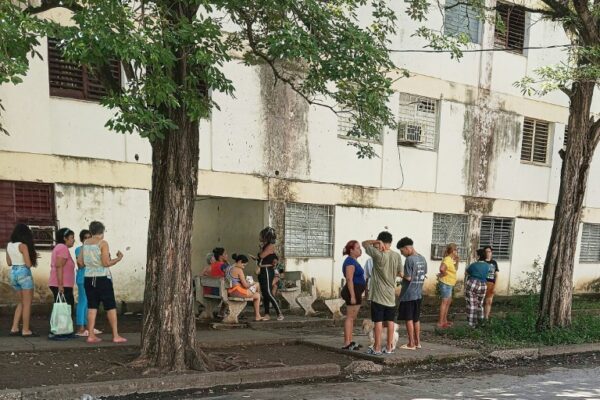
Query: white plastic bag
x=60 y=319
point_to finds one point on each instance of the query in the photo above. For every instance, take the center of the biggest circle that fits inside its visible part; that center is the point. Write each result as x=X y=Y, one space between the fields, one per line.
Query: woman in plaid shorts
x=475 y=288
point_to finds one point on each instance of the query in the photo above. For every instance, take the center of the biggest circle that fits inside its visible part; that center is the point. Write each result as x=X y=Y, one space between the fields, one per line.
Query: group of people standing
x=90 y=272
x=378 y=282
x=243 y=285
x=381 y=280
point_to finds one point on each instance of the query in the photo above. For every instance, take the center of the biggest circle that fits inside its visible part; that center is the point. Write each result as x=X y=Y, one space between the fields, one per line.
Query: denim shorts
x=21 y=278
x=445 y=290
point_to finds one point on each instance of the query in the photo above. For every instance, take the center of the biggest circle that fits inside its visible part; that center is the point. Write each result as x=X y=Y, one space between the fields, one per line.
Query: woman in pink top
x=62 y=266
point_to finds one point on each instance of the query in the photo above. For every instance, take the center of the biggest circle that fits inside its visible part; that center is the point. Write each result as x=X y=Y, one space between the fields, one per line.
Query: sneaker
x=386 y=351
x=372 y=352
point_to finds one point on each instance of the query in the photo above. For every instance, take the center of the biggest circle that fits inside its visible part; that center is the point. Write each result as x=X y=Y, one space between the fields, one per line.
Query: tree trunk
x=557 y=282
x=169 y=329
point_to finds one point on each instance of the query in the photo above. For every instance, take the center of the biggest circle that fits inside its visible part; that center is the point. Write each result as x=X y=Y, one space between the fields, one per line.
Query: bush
x=531 y=284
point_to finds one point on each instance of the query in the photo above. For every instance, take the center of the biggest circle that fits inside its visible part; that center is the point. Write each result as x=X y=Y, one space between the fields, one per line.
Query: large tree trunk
x=557 y=281
x=169 y=330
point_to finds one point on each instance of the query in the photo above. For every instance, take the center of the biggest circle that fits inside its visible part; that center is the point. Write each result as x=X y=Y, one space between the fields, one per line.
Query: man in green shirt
x=387 y=264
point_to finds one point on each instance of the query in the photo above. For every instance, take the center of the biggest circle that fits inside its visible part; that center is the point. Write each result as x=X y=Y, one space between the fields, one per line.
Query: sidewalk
x=298 y=348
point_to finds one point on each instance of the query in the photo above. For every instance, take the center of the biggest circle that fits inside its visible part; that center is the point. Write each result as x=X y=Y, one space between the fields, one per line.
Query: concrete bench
x=292 y=285
x=218 y=293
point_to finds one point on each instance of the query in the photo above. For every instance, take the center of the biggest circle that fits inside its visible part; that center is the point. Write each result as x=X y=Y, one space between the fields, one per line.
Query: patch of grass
x=518 y=329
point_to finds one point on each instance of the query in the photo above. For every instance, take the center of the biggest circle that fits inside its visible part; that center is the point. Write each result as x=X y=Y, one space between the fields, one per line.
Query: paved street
x=580 y=383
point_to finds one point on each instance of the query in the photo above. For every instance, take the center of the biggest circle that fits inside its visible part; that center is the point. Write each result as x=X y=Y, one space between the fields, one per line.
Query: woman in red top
x=62 y=266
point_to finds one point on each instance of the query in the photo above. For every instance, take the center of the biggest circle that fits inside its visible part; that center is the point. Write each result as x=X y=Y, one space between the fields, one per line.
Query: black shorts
x=100 y=290
x=380 y=313
x=410 y=310
x=358 y=292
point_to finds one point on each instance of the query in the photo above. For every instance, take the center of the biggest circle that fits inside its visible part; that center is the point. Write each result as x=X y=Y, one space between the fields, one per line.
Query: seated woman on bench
x=240 y=287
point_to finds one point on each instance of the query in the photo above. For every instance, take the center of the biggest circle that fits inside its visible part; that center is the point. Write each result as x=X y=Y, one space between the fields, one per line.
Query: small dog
x=368 y=327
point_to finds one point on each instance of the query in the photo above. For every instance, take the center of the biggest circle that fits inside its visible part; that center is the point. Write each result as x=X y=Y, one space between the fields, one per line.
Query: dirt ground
x=31 y=369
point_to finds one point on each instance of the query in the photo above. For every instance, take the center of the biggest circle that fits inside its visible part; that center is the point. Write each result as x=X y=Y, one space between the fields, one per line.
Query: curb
x=175 y=382
x=395 y=362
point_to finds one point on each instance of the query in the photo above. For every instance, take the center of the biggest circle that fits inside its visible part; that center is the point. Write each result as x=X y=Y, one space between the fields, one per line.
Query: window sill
x=414 y=146
x=360 y=140
x=536 y=164
x=311 y=257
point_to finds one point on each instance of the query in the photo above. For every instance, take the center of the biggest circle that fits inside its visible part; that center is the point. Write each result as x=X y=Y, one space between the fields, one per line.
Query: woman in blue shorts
x=21 y=257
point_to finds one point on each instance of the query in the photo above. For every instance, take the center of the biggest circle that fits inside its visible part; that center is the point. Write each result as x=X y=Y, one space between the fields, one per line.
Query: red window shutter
x=66 y=79
x=29 y=203
x=7 y=211
x=72 y=80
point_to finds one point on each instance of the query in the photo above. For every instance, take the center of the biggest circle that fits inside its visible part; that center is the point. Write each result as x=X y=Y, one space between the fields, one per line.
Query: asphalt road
x=516 y=383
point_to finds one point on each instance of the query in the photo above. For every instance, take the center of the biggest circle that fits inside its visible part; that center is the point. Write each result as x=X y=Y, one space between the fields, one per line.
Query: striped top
x=93 y=261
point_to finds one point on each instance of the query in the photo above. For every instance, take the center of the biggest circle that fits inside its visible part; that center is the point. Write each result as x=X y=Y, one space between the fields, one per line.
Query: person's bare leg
x=410 y=333
x=111 y=315
x=488 y=306
x=447 y=310
x=256 y=303
x=27 y=299
x=443 y=313
x=351 y=313
x=92 y=312
x=417 y=328
x=377 y=330
x=18 y=314
x=390 y=335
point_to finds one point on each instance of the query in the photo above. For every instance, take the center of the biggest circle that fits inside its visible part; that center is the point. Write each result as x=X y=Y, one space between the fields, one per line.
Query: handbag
x=60 y=319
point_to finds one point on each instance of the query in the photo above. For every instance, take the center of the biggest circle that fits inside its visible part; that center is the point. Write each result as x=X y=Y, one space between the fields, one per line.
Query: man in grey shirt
x=415 y=271
x=386 y=265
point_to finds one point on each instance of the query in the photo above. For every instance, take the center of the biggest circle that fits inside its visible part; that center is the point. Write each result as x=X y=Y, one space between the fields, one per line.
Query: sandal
x=407 y=347
x=119 y=340
x=32 y=334
x=419 y=346
x=93 y=340
x=280 y=317
x=15 y=333
x=85 y=333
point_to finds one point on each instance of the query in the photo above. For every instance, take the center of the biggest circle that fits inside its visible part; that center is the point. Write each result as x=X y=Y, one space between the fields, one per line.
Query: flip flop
x=260 y=319
x=32 y=334
x=406 y=347
x=93 y=340
x=419 y=346
x=97 y=332
x=119 y=340
x=16 y=333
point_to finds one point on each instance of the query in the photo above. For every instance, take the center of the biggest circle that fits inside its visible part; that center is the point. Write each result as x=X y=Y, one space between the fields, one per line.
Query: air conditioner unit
x=437 y=251
x=43 y=236
x=410 y=133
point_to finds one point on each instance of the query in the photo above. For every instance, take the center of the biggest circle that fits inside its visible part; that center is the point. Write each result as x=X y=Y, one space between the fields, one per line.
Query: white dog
x=368 y=327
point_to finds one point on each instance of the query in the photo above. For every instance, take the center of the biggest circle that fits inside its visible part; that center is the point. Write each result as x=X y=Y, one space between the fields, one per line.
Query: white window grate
x=461 y=18
x=449 y=228
x=535 y=141
x=590 y=244
x=308 y=230
x=497 y=232
x=417 y=125
x=345 y=124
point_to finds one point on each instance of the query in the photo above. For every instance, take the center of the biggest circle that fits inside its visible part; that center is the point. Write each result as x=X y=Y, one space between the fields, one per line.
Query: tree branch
x=590 y=26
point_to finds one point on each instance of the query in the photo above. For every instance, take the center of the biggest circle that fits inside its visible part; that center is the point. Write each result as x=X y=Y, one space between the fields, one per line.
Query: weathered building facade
x=473 y=162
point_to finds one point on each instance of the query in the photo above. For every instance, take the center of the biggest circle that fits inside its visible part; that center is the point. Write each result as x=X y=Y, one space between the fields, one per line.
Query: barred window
x=566 y=136
x=535 y=141
x=29 y=203
x=590 y=244
x=497 y=232
x=459 y=19
x=449 y=228
x=417 y=124
x=74 y=81
x=308 y=230
x=510 y=27
x=345 y=124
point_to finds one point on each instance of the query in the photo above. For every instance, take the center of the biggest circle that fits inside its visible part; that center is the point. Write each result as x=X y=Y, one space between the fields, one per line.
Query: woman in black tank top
x=266 y=261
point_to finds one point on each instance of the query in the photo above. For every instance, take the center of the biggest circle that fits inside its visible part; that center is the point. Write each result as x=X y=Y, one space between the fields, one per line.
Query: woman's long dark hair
x=23 y=234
